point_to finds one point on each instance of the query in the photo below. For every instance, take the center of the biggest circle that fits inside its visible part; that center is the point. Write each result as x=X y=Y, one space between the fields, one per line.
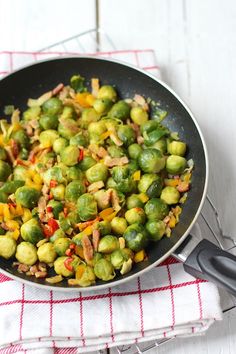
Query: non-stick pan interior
x=34 y=80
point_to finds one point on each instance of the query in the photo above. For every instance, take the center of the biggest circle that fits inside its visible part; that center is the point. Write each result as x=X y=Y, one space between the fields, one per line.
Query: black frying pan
x=206 y=260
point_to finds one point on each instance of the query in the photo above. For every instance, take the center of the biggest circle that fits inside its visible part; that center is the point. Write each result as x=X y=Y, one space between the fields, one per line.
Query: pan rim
x=182 y=238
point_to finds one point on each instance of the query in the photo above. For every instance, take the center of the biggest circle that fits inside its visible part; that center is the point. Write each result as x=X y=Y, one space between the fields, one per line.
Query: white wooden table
x=195 y=45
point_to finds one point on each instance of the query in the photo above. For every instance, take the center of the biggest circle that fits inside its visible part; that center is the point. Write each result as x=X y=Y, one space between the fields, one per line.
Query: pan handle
x=209 y=262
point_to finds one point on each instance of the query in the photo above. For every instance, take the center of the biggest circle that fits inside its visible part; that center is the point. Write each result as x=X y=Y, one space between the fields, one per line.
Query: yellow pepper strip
x=121 y=242
x=88 y=231
x=6 y=212
x=19 y=210
x=30 y=183
x=139 y=256
x=54 y=280
x=143 y=197
x=171 y=182
x=172 y=222
x=80 y=271
x=111 y=216
x=26 y=215
x=1 y=208
x=12 y=224
x=12 y=210
x=187 y=177
x=13 y=234
x=37 y=178
x=90 y=99
x=79 y=251
x=105 y=135
x=85 y=99
x=1 y=140
x=106 y=212
x=137 y=175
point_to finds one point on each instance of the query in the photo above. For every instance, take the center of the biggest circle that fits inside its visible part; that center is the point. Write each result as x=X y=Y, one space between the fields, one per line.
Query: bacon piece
x=95 y=86
x=95 y=239
x=140 y=140
x=40 y=274
x=115 y=200
x=115 y=139
x=57 y=89
x=183 y=187
x=22 y=268
x=95 y=186
x=141 y=102
x=87 y=248
x=116 y=161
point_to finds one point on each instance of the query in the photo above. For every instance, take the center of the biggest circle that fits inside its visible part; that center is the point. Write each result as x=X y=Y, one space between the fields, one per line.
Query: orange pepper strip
x=137 y=175
x=111 y=216
x=106 y=212
x=84 y=225
x=81 y=98
x=80 y=271
x=172 y=222
x=171 y=182
x=79 y=251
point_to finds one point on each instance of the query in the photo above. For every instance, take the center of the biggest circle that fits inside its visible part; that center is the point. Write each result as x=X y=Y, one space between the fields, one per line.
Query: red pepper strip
x=53 y=224
x=12 y=205
x=65 y=211
x=47 y=230
x=81 y=155
x=68 y=265
x=69 y=252
x=72 y=246
x=49 y=209
x=53 y=183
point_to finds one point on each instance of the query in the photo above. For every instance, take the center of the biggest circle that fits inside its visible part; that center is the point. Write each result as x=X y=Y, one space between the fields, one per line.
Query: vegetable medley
x=87 y=181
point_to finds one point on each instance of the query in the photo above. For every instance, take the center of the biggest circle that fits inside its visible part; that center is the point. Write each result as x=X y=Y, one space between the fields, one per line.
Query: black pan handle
x=209 y=262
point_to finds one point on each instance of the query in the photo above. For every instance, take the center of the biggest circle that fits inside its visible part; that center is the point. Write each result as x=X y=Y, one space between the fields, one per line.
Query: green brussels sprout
x=26 y=253
x=87 y=207
x=123 y=179
x=79 y=139
x=32 y=113
x=52 y=106
x=102 y=105
x=67 y=128
x=73 y=218
x=21 y=138
x=3 y=197
x=104 y=227
x=7 y=247
x=59 y=145
x=88 y=277
x=49 y=157
x=47 y=138
x=54 y=173
x=89 y=115
x=135 y=215
x=46 y=253
x=3 y=154
x=108 y=244
x=47 y=121
x=64 y=223
x=146 y=181
x=120 y=173
x=118 y=257
x=175 y=164
x=102 y=199
x=170 y=195
x=155 y=188
x=77 y=83
x=23 y=154
x=27 y=197
x=104 y=270
x=57 y=234
x=74 y=190
x=134 y=201
x=139 y=115
x=151 y=161
x=156 y=209
x=107 y=91
x=31 y=231
x=96 y=173
x=5 y=171
x=156 y=229
x=60 y=268
x=58 y=192
x=120 y=110
x=20 y=173
x=118 y=225
x=61 y=245
x=126 y=134
x=68 y=113
x=136 y=237
x=86 y=163
x=115 y=151
x=74 y=173
x=57 y=207
x=70 y=155
x=95 y=130
x=152 y=131
x=134 y=151
x=10 y=187
x=111 y=183
x=176 y=148
x=160 y=145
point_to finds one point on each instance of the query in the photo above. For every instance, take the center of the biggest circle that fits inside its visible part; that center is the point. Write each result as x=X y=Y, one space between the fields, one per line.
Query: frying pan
x=204 y=260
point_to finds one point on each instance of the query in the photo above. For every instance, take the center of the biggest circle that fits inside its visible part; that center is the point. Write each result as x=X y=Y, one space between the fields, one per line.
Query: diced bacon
x=140 y=140
x=141 y=101
x=116 y=161
x=183 y=187
x=95 y=239
x=95 y=186
x=57 y=89
x=22 y=268
x=102 y=152
x=87 y=248
x=115 y=139
x=115 y=200
x=64 y=93
x=15 y=117
x=40 y=274
x=95 y=86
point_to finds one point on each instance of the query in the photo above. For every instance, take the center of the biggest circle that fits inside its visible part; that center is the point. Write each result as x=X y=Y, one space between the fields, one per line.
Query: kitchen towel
x=163 y=303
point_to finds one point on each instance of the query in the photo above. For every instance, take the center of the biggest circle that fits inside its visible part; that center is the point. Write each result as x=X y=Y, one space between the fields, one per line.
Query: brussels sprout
x=49 y=157
x=107 y=91
x=123 y=180
x=118 y=257
x=115 y=151
x=59 y=145
x=64 y=223
x=175 y=164
x=146 y=181
x=138 y=115
x=3 y=197
x=118 y=225
x=128 y=252
x=102 y=199
x=60 y=268
x=87 y=207
x=156 y=229
x=52 y=106
x=108 y=244
x=31 y=231
x=152 y=131
x=67 y=128
x=54 y=173
x=88 y=277
x=156 y=209
x=104 y=270
x=135 y=215
x=89 y=115
x=160 y=145
x=111 y=183
x=48 y=122
x=5 y=171
x=46 y=253
x=176 y=148
x=58 y=192
x=95 y=130
x=134 y=151
x=20 y=173
x=74 y=173
x=86 y=163
x=120 y=173
x=96 y=173
x=102 y=105
x=170 y=195
x=61 y=245
x=73 y=190
x=78 y=238
x=134 y=201
x=3 y=154
x=126 y=134
x=133 y=166
x=68 y=113
x=7 y=247
x=21 y=138
x=47 y=138
x=126 y=267
x=70 y=155
x=151 y=160
x=77 y=83
x=27 y=197
x=73 y=218
x=57 y=207
x=120 y=110
x=57 y=234
x=26 y=253
x=136 y=237
x=104 y=227
x=79 y=139
x=10 y=187
x=32 y=113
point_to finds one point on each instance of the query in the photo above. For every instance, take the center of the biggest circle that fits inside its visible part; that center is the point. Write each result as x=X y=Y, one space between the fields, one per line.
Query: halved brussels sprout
x=10 y=187
x=151 y=160
x=59 y=145
x=102 y=105
x=108 y=244
x=68 y=113
x=27 y=197
x=70 y=155
x=118 y=257
x=120 y=110
x=161 y=145
x=67 y=128
x=21 y=138
x=54 y=173
x=126 y=134
x=87 y=207
x=46 y=253
x=61 y=245
x=31 y=113
x=135 y=215
x=118 y=225
x=136 y=237
x=170 y=195
x=139 y=115
x=52 y=106
x=102 y=199
x=31 y=231
x=47 y=121
x=58 y=192
x=20 y=173
x=74 y=173
x=107 y=91
x=95 y=130
x=88 y=277
x=89 y=115
x=134 y=151
x=96 y=173
x=176 y=148
x=79 y=139
x=134 y=201
x=57 y=234
x=7 y=247
x=47 y=138
x=104 y=227
x=61 y=269
x=150 y=182
x=74 y=190
x=26 y=253
x=156 y=209
x=156 y=229
x=86 y=163
x=175 y=164
x=115 y=151
x=104 y=270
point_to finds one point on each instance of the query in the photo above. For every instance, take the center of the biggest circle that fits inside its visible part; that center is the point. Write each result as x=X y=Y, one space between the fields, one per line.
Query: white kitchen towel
x=163 y=303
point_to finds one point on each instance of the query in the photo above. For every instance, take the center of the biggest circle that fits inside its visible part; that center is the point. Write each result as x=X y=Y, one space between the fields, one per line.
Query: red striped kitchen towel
x=163 y=303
